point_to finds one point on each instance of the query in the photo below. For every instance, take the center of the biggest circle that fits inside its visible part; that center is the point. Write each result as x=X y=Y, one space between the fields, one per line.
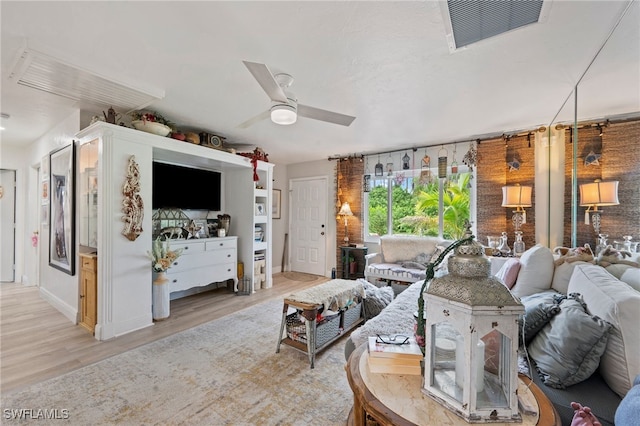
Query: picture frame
x=260 y=209
x=62 y=209
x=276 y=203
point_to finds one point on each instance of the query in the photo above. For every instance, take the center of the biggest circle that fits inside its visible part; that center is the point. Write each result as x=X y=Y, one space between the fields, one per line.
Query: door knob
x=322 y=233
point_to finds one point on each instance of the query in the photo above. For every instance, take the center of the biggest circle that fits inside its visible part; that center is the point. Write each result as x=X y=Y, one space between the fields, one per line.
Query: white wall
x=324 y=168
x=60 y=289
x=279 y=227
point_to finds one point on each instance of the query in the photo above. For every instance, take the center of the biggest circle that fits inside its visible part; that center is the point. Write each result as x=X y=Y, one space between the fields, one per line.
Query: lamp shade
x=283 y=114
x=599 y=193
x=516 y=196
x=345 y=210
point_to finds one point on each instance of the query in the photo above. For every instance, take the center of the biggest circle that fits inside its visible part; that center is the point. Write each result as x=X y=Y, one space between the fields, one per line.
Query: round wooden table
x=398 y=400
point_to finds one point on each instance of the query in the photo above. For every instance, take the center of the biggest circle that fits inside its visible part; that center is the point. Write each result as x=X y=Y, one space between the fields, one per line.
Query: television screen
x=185 y=188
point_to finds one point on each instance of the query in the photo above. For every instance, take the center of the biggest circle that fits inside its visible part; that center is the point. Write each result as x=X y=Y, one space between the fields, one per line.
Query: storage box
x=351 y=316
x=326 y=330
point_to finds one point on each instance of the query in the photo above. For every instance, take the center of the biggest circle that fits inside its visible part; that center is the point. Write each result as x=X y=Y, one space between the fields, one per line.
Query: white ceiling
x=386 y=63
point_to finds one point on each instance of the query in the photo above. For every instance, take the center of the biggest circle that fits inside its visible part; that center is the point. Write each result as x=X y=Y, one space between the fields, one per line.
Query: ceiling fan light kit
x=283 y=114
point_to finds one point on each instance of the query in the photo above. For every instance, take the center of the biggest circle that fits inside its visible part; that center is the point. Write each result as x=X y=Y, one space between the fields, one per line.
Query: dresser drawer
x=222 y=243
x=188 y=247
x=201 y=259
x=198 y=277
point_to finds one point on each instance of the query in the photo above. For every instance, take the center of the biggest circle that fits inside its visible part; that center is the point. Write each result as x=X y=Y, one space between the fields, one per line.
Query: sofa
x=402 y=258
x=563 y=298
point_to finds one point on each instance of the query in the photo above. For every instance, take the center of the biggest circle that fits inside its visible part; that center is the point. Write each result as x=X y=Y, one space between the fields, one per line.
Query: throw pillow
x=539 y=308
x=536 y=271
x=376 y=299
x=618 y=303
x=413 y=265
x=568 y=349
x=562 y=275
x=509 y=272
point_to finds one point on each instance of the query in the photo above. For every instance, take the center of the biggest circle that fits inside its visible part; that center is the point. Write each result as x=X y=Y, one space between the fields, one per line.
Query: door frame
x=328 y=235
x=8 y=224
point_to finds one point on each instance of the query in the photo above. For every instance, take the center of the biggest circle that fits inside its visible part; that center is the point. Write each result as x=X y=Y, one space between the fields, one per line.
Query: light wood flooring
x=37 y=342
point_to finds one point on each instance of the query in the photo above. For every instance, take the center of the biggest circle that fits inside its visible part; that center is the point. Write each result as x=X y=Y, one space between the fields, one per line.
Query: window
x=415 y=202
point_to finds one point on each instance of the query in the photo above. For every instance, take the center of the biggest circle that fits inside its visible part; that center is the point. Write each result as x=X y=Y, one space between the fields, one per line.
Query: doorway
x=7 y=225
x=307 y=225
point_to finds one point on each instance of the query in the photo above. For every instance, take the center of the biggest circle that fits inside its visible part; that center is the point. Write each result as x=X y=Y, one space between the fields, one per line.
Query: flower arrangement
x=161 y=256
x=153 y=117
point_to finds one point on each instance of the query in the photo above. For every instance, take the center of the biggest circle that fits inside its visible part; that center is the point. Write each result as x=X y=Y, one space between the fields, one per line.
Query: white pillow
x=536 y=271
x=618 y=303
x=632 y=277
x=562 y=275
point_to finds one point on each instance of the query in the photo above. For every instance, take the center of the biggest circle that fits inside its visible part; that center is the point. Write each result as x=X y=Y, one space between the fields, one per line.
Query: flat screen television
x=185 y=188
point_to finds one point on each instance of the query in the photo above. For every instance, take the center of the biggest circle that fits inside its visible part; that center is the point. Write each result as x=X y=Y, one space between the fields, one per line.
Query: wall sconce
x=519 y=197
x=598 y=194
x=345 y=212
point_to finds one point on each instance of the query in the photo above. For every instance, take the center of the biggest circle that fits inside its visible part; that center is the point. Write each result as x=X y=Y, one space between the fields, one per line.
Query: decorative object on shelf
x=257 y=155
x=504 y=245
x=345 y=212
x=132 y=204
x=211 y=141
x=519 y=197
x=111 y=116
x=379 y=168
x=193 y=229
x=260 y=209
x=518 y=245
x=276 y=203
x=151 y=122
x=161 y=255
x=62 y=209
x=493 y=243
x=597 y=194
x=192 y=137
x=474 y=310
x=442 y=163
x=178 y=135
x=169 y=223
x=224 y=222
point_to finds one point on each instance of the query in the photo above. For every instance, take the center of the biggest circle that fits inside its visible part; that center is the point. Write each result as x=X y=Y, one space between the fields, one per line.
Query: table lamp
x=519 y=197
x=598 y=194
x=345 y=212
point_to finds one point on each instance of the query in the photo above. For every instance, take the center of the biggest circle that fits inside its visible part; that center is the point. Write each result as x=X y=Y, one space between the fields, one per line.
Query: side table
x=358 y=253
x=397 y=400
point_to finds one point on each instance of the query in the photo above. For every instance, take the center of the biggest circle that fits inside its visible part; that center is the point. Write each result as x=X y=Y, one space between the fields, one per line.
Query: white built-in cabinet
x=124 y=274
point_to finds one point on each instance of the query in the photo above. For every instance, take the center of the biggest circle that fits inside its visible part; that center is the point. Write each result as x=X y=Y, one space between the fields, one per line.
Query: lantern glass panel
x=493 y=391
x=445 y=347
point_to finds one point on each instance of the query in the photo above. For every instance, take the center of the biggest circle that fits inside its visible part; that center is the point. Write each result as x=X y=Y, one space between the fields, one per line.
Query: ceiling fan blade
x=265 y=78
x=324 y=115
x=255 y=119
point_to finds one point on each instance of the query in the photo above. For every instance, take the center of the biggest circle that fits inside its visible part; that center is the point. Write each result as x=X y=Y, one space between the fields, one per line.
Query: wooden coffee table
x=397 y=400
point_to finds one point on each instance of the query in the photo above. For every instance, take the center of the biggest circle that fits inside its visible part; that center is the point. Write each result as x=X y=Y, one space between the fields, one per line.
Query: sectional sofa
x=580 y=336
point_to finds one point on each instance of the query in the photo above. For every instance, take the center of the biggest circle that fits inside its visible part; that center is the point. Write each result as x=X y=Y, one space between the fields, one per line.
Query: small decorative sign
x=132 y=205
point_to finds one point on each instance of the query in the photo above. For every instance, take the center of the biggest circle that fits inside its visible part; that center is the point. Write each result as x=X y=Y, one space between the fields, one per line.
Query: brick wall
x=349 y=176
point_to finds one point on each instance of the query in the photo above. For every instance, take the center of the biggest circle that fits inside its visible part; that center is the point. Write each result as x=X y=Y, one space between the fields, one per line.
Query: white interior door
x=308 y=225
x=7 y=225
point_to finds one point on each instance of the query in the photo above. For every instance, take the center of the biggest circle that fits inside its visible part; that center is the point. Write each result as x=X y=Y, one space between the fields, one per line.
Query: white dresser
x=202 y=262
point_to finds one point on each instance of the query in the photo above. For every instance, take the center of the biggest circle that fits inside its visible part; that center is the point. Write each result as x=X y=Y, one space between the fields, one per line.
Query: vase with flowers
x=162 y=257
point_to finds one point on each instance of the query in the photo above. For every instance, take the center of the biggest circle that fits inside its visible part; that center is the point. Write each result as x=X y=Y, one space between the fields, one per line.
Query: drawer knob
x=186 y=247
x=175 y=263
x=221 y=244
x=228 y=255
x=175 y=281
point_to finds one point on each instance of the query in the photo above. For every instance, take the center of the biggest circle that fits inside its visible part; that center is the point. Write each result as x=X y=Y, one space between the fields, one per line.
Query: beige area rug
x=224 y=372
x=300 y=276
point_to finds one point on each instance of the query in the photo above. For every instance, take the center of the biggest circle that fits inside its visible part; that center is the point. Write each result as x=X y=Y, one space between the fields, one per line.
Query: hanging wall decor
x=442 y=163
x=132 y=204
x=366 y=181
x=405 y=161
x=592 y=159
x=62 y=251
x=425 y=172
x=514 y=165
x=454 y=163
x=389 y=166
x=471 y=157
x=379 y=168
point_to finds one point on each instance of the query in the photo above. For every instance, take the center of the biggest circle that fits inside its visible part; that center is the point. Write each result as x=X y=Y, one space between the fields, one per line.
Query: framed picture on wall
x=62 y=209
x=276 y=203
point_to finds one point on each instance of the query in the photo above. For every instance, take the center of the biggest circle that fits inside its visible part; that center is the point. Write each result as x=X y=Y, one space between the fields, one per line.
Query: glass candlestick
x=504 y=247
x=602 y=243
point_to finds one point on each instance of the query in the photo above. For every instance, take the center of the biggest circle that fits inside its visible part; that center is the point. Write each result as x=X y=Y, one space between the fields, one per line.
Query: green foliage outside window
x=415 y=207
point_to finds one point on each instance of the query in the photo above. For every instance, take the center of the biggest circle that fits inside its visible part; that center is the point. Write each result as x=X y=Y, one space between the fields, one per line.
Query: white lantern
x=471 y=335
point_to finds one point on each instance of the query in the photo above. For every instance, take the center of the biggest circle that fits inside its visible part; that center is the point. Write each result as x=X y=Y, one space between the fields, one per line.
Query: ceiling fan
x=285 y=108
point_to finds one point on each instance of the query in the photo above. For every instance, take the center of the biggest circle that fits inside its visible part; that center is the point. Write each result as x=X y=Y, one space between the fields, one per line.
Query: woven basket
x=351 y=316
x=326 y=330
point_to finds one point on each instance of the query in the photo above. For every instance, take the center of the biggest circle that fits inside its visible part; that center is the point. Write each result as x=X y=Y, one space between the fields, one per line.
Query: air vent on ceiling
x=43 y=72
x=472 y=21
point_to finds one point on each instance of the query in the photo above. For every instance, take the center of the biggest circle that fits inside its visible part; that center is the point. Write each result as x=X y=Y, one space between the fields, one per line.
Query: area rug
x=224 y=372
x=300 y=276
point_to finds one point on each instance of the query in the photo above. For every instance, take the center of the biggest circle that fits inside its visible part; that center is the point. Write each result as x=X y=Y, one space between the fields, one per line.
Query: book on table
x=391 y=347
x=394 y=357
